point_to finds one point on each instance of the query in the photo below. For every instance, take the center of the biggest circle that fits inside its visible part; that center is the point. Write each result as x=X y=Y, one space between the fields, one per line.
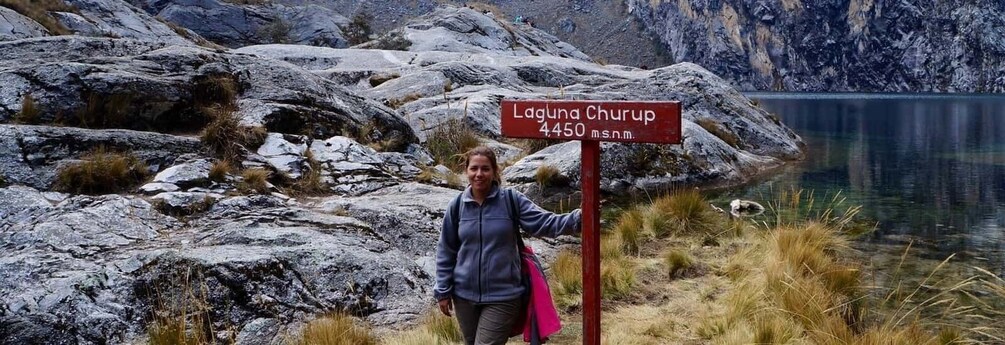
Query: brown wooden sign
x=592 y=122
x=624 y=121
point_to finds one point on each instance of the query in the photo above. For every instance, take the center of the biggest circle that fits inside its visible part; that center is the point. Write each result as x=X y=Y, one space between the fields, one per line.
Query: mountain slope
x=837 y=45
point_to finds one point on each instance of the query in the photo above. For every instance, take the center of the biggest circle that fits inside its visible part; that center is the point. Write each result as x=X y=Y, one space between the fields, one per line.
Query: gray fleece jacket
x=477 y=260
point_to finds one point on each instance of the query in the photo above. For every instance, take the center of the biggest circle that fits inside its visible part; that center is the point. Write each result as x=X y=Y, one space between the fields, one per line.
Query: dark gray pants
x=486 y=323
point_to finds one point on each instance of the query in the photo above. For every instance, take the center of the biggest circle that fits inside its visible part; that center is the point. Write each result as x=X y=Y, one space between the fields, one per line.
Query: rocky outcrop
x=830 y=45
x=235 y=25
x=604 y=30
x=140 y=85
x=347 y=124
x=14 y=26
x=837 y=45
x=98 y=266
x=97 y=18
x=117 y=18
x=727 y=139
x=31 y=155
x=347 y=167
x=464 y=30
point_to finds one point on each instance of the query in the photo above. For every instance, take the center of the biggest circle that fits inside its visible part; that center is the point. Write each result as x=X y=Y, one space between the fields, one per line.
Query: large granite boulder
x=117 y=18
x=188 y=174
x=14 y=26
x=31 y=155
x=138 y=85
x=462 y=29
x=727 y=139
x=97 y=269
x=61 y=275
x=234 y=25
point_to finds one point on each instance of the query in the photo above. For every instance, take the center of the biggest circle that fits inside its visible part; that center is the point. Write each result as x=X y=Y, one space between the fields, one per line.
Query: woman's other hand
x=446 y=306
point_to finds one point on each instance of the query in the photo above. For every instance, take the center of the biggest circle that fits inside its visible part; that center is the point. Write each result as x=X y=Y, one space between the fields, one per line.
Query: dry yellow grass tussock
x=227 y=137
x=310 y=182
x=102 y=171
x=719 y=130
x=450 y=139
x=29 y=113
x=547 y=175
x=337 y=329
x=682 y=212
x=630 y=227
x=219 y=171
x=254 y=181
x=418 y=336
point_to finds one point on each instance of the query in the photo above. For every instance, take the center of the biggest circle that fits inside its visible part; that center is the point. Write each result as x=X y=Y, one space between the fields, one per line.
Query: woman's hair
x=487 y=153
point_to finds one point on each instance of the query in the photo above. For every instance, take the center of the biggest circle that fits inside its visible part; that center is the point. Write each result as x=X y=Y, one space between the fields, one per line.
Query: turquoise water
x=928 y=169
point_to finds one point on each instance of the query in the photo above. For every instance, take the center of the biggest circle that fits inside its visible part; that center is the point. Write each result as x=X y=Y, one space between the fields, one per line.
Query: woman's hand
x=446 y=306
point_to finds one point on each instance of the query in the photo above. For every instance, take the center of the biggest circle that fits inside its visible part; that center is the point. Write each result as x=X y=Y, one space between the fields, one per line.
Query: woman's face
x=480 y=173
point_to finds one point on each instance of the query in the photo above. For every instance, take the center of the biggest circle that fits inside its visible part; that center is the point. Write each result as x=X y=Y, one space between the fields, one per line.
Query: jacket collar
x=468 y=197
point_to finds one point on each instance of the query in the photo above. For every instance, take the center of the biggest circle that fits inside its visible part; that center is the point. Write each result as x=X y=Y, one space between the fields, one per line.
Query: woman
x=477 y=262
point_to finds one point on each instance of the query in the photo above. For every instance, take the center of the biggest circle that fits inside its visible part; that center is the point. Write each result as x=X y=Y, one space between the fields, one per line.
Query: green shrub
x=276 y=31
x=358 y=30
x=394 y=40
x=719 y=131
x=29 y=114
x=448 y=140
x=101 y=172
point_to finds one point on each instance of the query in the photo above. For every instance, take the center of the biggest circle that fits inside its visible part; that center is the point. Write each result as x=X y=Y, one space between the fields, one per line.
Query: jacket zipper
x=481 y=247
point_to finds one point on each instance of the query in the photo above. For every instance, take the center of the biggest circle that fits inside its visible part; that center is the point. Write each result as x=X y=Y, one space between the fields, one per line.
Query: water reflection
x=930 y=168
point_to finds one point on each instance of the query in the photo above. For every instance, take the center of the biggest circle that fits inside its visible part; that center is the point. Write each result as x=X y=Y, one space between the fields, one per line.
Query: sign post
x=592 y=122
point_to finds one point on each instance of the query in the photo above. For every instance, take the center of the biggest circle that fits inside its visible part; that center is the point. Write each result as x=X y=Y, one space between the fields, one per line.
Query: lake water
x=927 y=168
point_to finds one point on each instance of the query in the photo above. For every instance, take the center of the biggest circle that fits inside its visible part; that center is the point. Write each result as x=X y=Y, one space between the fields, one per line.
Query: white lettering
x=544 y=129
x=608 y=134
x=547 y=113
